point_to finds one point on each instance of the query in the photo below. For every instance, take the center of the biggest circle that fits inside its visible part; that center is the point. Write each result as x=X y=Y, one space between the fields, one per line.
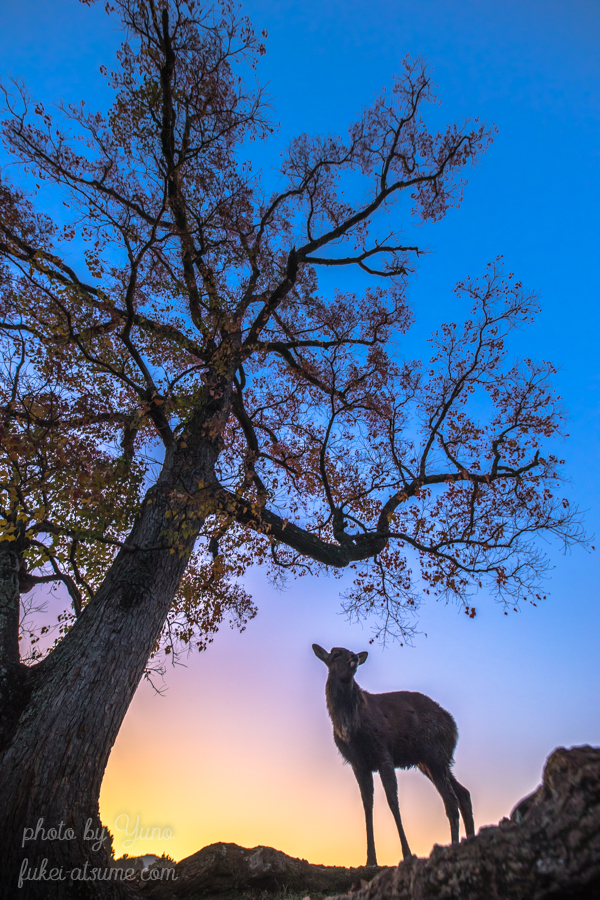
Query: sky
x=239 y=746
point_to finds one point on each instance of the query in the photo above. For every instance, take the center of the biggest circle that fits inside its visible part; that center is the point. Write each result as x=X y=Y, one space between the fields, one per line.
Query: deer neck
x=344 y=701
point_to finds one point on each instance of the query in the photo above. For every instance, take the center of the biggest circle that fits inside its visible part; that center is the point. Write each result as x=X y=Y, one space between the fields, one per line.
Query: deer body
x=383 y=732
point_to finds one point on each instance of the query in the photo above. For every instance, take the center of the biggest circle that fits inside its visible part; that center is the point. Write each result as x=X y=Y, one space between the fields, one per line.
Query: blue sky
x=517 y=685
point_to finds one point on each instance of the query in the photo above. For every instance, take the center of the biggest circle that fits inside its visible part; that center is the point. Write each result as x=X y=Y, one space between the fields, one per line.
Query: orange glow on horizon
x=195 y=768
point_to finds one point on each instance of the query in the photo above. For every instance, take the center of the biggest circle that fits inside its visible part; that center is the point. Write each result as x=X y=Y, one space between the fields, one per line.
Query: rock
x=230 y=870
x=548 y=850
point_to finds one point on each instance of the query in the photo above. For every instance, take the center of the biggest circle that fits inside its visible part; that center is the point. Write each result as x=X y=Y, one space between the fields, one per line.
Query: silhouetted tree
x=185 y=402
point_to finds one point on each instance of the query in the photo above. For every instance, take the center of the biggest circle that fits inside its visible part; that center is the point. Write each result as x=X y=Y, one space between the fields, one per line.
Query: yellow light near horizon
x=177 y=793
x=240 y=750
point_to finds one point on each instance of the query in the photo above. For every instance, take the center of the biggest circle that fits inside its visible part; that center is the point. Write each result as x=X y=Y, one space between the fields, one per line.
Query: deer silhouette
x=384 y=732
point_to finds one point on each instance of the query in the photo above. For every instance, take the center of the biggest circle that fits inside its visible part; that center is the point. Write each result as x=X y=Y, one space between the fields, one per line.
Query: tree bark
x=51 y=769
x=13 y=675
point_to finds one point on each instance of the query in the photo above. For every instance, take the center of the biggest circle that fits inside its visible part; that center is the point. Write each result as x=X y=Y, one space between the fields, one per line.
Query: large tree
x=179 y=399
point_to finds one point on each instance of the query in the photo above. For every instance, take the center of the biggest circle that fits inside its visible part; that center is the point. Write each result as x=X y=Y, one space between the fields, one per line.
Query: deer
x=385 y=732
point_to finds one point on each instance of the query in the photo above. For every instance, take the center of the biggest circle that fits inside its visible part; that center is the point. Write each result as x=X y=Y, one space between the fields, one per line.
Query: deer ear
x=362 y=657
x=322 y=654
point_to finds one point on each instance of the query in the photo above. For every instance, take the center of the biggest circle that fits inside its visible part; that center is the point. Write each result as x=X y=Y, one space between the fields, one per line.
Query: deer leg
x=390 y=786
x=466 y=809
x=442 y=779
x=365 y=783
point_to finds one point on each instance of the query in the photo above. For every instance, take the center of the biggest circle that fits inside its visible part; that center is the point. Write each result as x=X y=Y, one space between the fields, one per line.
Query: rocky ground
x=549 y=849
x=231 y=872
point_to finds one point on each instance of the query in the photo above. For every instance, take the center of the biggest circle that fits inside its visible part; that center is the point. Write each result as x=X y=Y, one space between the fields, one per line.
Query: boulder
x=549 y=849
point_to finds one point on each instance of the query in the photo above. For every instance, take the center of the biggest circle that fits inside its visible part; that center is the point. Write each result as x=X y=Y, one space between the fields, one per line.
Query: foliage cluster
x=175 y=325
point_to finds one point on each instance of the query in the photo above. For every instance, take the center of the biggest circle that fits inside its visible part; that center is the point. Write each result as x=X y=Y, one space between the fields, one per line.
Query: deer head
x=342 y=663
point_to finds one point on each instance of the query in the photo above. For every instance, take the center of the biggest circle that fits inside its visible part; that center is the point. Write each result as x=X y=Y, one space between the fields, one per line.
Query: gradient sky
x=239 y=748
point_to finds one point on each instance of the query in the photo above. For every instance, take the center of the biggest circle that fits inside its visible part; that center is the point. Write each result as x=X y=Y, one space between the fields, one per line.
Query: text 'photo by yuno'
x=259 y=368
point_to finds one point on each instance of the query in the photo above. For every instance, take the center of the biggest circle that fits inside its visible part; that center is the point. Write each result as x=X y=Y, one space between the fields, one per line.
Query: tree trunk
x=51 y=769
x=12 y=673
